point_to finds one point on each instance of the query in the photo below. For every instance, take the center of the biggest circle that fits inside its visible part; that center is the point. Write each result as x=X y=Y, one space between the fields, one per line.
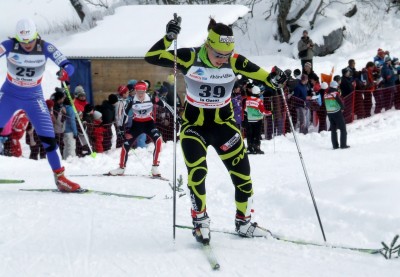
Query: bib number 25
x=25 y=71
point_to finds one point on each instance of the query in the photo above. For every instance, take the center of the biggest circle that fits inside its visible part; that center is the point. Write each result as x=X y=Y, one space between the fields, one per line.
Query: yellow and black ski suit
x=208 y=118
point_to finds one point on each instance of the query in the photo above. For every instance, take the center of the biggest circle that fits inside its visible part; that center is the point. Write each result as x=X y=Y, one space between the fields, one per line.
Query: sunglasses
x=27 y=42
x=219 y=55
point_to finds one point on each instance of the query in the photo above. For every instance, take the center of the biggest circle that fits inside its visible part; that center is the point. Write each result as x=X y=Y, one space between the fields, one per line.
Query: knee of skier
x=50 y=144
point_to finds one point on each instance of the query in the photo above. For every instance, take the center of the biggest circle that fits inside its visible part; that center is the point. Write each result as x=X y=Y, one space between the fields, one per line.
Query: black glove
x=278 y=77
x=173 y=28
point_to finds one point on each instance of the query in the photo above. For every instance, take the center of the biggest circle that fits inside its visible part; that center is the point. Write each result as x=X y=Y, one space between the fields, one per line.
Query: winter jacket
x=388 y=75
x=302 y=45
x=255 y=109
x=333 y=103
x=346 y=86
x=70 y=122
x=300 y=91
x=108 y=112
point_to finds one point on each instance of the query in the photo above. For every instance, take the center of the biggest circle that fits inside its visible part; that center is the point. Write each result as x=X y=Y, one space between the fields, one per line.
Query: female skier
x=209 y=72
x=26 y=56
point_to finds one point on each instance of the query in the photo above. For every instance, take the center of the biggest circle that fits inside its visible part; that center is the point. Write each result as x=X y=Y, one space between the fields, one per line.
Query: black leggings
x=227 y=141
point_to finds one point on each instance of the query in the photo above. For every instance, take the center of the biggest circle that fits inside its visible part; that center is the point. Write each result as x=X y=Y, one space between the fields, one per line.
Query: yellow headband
x=220 y=42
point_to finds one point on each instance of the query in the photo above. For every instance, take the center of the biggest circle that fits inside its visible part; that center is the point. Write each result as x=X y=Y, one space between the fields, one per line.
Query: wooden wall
x=108 y=74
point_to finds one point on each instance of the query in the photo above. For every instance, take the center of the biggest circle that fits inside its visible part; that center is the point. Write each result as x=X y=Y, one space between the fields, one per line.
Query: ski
x=124 y=175
x=389 y=252
x=209 y=252
x=11 y=181
x=90 y=191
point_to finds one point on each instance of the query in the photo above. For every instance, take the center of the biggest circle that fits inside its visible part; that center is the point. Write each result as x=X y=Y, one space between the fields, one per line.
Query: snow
x=356 y=191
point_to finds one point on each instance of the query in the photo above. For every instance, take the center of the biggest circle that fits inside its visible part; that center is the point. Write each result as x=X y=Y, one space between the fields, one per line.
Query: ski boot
x=248 y=229
x=155 y=172
x=201 y=223
x=250 y=149
x=257 y=150
x=117 y=172
x=62 y=183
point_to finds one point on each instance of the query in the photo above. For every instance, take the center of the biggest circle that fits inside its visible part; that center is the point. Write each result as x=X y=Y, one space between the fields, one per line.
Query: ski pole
x=302 y=162
x=92 y=153
x=177 y=19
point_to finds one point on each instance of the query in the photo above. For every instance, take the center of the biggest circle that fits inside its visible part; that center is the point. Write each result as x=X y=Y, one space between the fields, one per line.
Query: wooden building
x=112 y=53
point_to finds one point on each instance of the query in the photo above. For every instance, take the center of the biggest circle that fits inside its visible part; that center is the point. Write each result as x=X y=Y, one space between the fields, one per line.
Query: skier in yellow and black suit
x=208 y=119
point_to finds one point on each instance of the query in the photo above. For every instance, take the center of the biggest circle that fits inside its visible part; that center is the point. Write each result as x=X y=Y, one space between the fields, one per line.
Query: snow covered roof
x=134 y=29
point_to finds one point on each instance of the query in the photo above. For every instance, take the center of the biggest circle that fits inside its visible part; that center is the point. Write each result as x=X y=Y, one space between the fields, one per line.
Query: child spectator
x=98 y=132
x=80 y=99
x=255 y=112
x=334 y=108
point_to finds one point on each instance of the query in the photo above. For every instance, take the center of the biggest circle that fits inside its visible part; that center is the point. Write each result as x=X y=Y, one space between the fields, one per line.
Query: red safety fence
x=359 y=104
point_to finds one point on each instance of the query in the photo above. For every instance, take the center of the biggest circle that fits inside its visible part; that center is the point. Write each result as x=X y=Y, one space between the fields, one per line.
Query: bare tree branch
x=300 y=13
x=317 y=11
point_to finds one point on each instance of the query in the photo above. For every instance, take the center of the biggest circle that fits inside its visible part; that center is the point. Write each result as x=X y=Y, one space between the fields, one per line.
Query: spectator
x=305 y=47
x=334 y=108
x=98 y=132
x=80 y=99
x=82 y=147
x=300 y=92
x=237 y=104
x=19 y=124
x=107 y=110
x=388 y=74
x=59 y=117
x=307 y=70
x=346 y=85
x=71 y=131
x=255 y=112
x=379 y=59
x=369 y=86
x=32 y=139
x=122 y=108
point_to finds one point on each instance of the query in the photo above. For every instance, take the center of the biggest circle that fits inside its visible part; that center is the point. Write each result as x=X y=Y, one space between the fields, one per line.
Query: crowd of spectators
x=363 y=92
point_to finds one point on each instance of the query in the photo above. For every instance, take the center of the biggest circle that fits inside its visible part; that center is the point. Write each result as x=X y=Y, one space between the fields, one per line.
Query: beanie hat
x=49 y=103
x=304 y=77
x=112 y=98
x=220 y=42
x=58 y=95
x=88 y=108
x=141 y=86
x=132 y=82
x=337 y=78
x=308 y=64
x=255 y=90
x=122 y=90
x=334 y=84
x=324 y=85
x=97 y=115
x=79 y=91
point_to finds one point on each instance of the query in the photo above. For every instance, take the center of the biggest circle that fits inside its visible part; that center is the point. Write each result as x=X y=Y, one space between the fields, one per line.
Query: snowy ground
x=48 y=234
